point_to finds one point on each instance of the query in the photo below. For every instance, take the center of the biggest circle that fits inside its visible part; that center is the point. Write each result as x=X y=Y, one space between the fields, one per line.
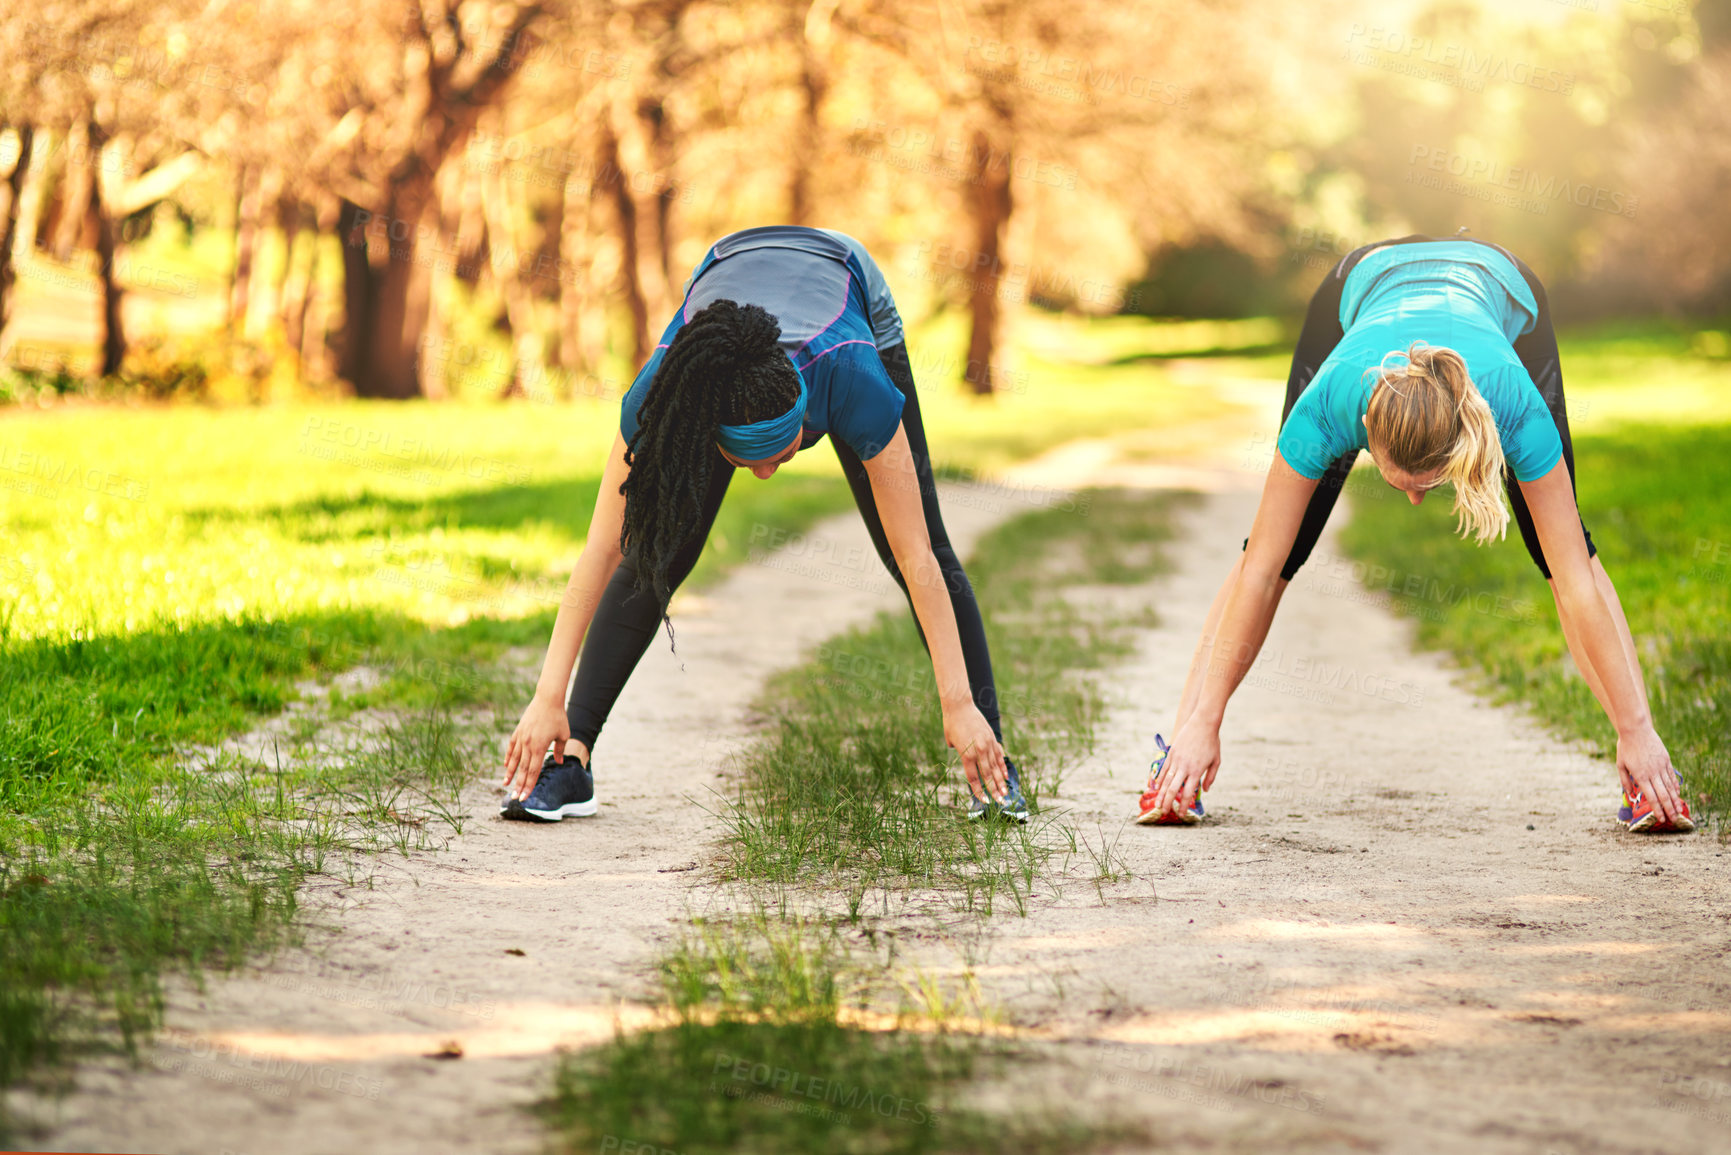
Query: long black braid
x=724 y=367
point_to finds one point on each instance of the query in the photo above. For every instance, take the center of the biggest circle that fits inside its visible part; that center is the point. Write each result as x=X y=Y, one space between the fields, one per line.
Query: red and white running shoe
x=1641 y=817
x=1152 y=817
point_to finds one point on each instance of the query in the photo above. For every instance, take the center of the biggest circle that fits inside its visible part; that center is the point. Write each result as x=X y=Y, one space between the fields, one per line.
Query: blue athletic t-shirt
x=1457 y=294
x=835 y=312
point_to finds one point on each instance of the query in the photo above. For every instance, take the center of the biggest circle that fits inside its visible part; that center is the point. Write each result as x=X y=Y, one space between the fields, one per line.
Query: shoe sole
x=1163 y=818
x=1650 y=823
x=1018 y=816
x=1010 y=816
x=517 y=812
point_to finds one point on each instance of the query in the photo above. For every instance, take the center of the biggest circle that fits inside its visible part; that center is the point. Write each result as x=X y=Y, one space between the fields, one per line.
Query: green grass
x=763 y=1056
x=119 y=519
x=1646 y=372
x=853 y=788
x=1657 y=499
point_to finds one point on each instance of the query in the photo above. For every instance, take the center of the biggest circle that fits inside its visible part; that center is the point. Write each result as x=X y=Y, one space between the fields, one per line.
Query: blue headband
x=764 y=439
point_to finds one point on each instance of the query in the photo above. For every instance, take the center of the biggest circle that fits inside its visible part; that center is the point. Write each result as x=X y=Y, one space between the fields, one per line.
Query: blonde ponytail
x=1425 y=414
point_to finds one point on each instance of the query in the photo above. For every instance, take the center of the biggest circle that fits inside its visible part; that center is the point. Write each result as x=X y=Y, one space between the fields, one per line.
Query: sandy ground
x=1366 y=948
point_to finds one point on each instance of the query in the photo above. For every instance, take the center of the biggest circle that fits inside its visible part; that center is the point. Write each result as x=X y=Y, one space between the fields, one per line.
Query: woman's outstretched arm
x=1237 y=623
x=544 y=720
x=1598 y=638
x=896 y=490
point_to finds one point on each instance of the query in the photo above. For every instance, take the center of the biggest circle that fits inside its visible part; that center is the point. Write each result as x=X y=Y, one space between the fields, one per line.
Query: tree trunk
x=397 y=305
x=657 y=246
x=989 y=204
x=582 y=321
x=387 y=291
x=808 y=142
x=386 y=295
x=30 y=199
x=382 y=342
x=471 y=227
x=288 y=224
x=113 y=335
x=13 y=192
x=77 y=182
x=357 y=292
x=314 y=313
x=507 y=266
x=248 y=195
x=297 y=274
x=607 y=169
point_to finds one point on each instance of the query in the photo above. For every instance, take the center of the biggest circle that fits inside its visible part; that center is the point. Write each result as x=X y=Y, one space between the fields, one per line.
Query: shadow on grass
x=1202 y=354
x=564 y=504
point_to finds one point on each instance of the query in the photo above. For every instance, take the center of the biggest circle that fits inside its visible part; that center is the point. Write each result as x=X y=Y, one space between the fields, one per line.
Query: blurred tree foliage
x=561 y=164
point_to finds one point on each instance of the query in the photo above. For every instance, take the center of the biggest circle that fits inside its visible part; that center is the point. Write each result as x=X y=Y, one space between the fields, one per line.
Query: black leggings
x=1322 y=332
x=625 y=623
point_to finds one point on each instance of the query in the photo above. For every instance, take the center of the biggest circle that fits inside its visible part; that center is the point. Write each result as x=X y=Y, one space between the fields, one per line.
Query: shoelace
x=1158 y=766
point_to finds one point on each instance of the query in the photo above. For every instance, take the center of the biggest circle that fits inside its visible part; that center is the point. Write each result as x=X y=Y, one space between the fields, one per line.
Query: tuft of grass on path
x=854 y=787
x=1657 y=500
x=761 y=1058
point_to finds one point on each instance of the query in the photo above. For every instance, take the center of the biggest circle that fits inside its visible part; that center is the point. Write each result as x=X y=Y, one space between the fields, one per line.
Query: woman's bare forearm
x=1597 y=643
x=1246 y=613
x=1241 y=613
x=1199 y=659
x=1584 y=603
x=936 y=615
x=589 y=578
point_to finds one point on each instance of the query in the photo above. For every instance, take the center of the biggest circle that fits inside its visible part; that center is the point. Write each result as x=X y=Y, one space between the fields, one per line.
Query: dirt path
x=1365 y=949
x=322 y=1050
x=1409 y=925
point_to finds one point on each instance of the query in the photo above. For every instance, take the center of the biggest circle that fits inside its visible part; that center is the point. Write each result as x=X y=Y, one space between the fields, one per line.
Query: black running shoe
x=1013 y=808
x=564 y=790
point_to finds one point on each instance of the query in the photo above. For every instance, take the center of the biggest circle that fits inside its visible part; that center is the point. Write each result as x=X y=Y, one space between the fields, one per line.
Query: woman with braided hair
x=1438 y=357
x=786 y=334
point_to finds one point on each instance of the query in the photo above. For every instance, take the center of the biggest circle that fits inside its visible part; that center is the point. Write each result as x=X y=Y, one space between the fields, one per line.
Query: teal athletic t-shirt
x=1457 y=294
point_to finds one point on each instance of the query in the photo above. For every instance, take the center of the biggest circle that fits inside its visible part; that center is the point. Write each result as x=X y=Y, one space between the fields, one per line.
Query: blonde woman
x=1438 y=357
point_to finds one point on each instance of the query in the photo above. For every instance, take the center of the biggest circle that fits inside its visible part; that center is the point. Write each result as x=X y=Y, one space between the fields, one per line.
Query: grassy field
x=1651 y=414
